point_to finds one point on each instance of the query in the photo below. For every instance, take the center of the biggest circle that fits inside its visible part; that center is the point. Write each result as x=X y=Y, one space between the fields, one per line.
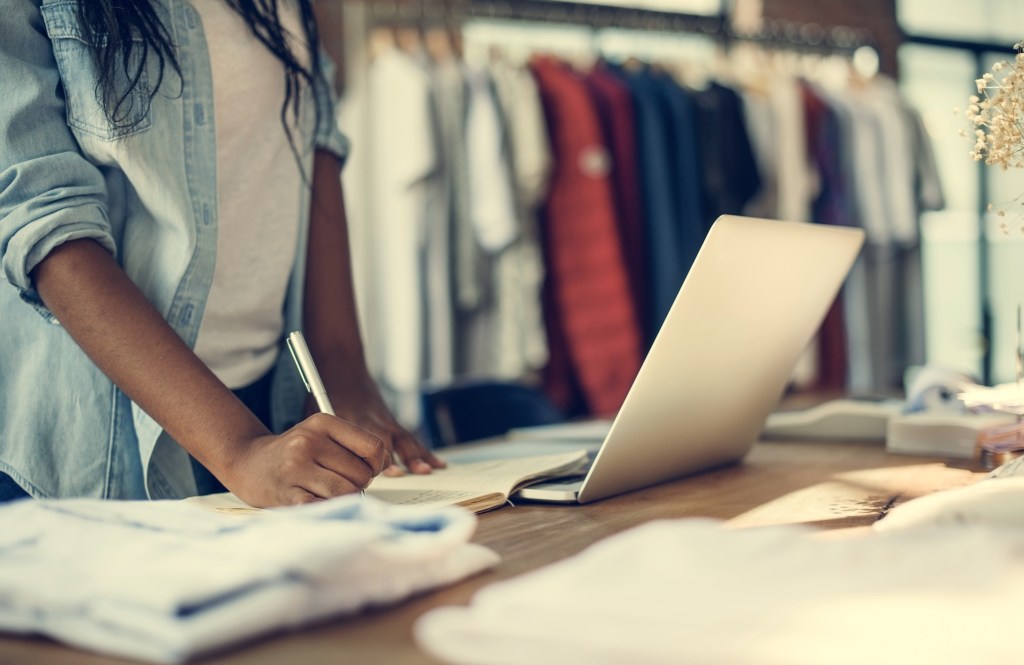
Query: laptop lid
x=753 y=300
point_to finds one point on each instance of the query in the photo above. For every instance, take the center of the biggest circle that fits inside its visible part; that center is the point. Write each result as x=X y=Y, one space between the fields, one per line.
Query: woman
x=170 y=206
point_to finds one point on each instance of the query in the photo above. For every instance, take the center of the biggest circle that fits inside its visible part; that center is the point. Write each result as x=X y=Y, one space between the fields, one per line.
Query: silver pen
x=307 y=370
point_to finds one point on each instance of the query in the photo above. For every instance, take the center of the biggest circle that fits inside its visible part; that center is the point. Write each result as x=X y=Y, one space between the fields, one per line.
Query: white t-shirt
x=259 y=195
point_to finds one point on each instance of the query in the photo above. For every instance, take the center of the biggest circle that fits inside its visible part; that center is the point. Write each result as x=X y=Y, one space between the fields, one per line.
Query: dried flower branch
x=997 y=117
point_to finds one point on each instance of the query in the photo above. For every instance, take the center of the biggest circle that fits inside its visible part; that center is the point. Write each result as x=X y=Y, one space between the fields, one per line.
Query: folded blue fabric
x=165 y=581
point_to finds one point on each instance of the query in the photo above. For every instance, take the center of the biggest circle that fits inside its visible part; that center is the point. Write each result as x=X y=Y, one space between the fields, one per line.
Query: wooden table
x=821 y=484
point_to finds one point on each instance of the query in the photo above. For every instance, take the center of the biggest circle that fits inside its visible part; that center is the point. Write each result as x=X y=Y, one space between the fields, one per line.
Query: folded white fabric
x=994 y=502
x=166 y=580
x=692 y=592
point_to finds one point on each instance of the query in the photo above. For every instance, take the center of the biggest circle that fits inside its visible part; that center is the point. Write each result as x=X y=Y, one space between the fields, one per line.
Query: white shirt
x=165 y=581
x=403 y=155
x=259 y=187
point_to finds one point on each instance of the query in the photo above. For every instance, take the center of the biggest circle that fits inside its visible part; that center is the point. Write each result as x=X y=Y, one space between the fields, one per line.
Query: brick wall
x=876 y=16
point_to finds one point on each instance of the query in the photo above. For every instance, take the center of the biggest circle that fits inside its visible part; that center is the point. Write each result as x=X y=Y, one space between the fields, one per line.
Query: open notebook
x=479 y=486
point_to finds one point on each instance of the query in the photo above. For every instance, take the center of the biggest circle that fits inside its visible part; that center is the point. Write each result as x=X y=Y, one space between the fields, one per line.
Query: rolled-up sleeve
x=49 y=192
x=328 y=135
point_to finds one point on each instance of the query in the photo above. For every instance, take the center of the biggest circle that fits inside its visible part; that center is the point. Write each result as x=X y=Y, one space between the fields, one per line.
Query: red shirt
x=614 y=107
x=591 y=311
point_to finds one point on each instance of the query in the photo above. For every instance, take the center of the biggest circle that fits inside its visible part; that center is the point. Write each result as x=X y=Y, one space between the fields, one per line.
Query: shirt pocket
x=83 y=95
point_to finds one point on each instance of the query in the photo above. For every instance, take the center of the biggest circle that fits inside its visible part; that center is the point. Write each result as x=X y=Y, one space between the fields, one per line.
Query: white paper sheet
x=692 y=592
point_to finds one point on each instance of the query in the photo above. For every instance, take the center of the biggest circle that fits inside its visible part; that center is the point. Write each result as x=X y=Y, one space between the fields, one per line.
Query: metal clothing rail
x=596 y=16
x=774 y=33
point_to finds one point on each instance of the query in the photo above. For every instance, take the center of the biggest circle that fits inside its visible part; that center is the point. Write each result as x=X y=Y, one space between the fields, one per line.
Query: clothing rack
x=811 y=37
x=698 y=120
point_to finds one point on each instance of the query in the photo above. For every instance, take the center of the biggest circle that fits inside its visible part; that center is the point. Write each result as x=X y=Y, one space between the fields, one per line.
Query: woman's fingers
x=361 y=442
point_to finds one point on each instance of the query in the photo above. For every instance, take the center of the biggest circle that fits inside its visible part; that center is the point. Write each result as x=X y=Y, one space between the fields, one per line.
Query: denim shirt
x=148 y=194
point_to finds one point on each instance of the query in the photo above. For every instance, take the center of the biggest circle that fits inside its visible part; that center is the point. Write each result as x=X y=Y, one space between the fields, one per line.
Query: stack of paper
x=1006 y=397
x=165 y=581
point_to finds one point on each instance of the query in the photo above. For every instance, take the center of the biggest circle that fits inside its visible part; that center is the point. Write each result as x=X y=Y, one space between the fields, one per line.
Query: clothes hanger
x=409 y=38
x=750 y=67
x=380 y=40
x=438 y=44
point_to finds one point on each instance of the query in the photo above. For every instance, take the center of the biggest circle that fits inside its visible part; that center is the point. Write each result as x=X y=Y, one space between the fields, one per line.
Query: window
x=970 y=286
x=993 y=21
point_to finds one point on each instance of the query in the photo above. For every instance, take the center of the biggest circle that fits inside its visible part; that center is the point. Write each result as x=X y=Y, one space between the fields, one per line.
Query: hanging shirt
x=491 y=203
x=866 y=295
x=824 y=146
x=588 y=285
x=614 y=107
x=729 y=175
x=451 y=93
x=797 y=179
x=898 y=163
x=666 y=265
x=521 y=346
x=492 y=216
x=687 y=159
x=404 y=155
x=760 y=121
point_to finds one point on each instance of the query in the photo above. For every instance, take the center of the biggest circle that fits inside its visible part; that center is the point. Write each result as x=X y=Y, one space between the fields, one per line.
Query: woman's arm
x=120 y=330
x=331 y=324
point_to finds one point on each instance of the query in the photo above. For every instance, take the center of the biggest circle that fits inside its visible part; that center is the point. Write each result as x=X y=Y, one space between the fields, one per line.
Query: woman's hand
x=402 y=443
x=332 y=329
x=319 y=458
x=364 y=407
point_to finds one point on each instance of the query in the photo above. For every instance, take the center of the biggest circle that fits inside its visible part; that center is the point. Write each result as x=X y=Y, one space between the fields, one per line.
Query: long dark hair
x=127 y=33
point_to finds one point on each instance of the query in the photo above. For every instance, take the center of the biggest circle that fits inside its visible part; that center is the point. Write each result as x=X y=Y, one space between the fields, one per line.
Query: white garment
x=444 y=208
x=520 y=344
x=496 y=222
x=861 y=137
x=867 y=159
x=930 y=193
x=403 y=154
x=259 y=192
x=519 y=101
x=165 y=581
x=691 y=592
x=857 y=318
x=354 y=118
x=759 y=118
x=888 y=334
x=897 y=158
x=451 y=93
x=491 y=203
x=797 y=179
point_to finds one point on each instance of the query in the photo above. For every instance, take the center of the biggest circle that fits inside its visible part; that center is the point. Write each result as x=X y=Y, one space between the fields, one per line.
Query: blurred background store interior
x=466 y=205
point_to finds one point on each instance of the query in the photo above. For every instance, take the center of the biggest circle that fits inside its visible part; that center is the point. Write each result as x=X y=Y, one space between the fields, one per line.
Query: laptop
x=753 y=300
